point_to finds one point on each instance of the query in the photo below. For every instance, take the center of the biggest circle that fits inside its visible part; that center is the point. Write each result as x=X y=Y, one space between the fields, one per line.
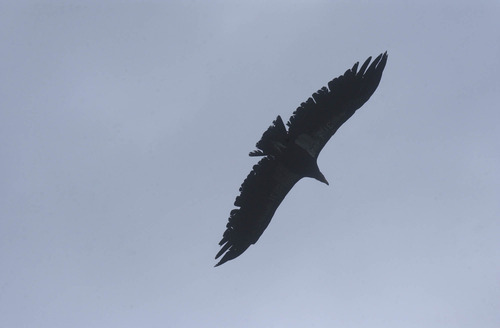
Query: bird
x=291 y=154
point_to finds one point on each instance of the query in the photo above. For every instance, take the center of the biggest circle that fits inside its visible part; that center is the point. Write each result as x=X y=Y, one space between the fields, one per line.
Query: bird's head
x=320 y=177
x=315 y=173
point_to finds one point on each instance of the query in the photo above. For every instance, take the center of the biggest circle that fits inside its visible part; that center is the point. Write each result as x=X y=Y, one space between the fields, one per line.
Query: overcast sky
x=124 y=134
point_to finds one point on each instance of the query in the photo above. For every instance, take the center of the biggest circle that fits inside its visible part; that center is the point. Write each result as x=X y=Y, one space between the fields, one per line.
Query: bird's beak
x=322 y=178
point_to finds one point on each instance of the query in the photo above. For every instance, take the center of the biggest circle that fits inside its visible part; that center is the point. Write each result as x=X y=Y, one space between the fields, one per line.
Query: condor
x=290 y=155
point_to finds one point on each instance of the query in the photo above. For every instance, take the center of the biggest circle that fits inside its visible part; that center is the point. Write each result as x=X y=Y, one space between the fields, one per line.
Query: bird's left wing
x=261 y=193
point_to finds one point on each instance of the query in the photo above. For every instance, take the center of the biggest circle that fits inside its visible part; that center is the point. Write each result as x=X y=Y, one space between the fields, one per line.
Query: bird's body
x=291 y=155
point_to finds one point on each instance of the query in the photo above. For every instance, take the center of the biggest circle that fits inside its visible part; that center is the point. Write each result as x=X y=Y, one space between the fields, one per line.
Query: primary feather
x=291 y=155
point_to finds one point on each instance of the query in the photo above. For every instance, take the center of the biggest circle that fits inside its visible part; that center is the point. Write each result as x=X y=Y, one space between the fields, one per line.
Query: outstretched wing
x=317 y=120
x=261 y=193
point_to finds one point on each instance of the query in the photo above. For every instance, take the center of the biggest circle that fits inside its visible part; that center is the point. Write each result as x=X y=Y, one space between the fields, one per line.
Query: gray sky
x=124 y=134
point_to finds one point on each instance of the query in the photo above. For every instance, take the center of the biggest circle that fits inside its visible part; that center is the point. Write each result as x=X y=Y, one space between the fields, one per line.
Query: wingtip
x=384 y=56
x=222 y=261
x=382 y=61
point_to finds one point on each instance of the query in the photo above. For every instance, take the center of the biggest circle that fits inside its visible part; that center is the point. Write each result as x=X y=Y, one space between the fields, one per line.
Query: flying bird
x=291 y=154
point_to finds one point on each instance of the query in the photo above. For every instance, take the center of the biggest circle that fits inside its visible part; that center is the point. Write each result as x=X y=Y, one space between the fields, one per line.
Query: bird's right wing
x=317 y=120
x=261 y=193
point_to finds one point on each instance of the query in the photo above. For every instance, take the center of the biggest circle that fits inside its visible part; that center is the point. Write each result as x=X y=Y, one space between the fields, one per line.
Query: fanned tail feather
x=273 y=140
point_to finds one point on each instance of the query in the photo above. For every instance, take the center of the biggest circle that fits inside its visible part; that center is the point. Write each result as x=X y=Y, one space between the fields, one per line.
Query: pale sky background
x=124 y=134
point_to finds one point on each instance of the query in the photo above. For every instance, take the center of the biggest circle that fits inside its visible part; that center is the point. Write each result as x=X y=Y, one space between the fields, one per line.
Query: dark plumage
x=292 y=155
